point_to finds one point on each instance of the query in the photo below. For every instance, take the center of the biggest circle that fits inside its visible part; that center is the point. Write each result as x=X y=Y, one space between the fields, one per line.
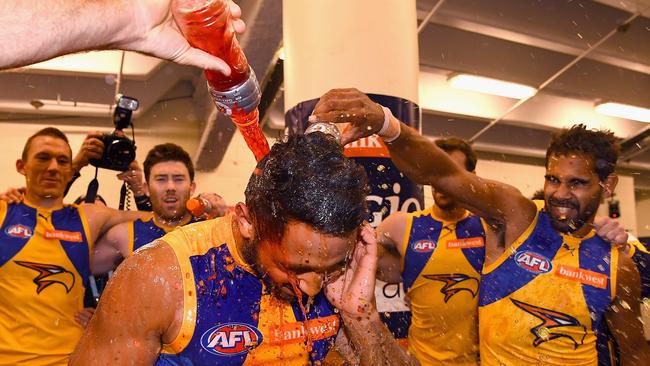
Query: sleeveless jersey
x=44 y=268
x=143 y=232
x=441 y=271
x=544 y=300
x=232 y=319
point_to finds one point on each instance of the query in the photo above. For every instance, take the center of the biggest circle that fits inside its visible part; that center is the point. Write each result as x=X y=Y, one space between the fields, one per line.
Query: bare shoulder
x=140 y=306
x=151 y=263
x=148 y=279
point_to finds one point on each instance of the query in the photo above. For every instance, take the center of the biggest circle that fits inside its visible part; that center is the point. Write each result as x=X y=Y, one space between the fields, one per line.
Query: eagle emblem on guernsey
x=554 y=324
x=49 y=274
x=455 y=283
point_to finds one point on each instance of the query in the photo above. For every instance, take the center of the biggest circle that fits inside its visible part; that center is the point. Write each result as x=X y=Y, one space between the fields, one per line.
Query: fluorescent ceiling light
x=624 y=111
x=491 y=86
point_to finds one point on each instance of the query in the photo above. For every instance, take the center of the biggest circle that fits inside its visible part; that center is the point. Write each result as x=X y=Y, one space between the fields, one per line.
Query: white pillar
x=371 y=45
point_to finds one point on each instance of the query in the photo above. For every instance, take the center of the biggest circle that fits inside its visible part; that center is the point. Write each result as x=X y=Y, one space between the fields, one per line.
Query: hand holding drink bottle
x=206 y=25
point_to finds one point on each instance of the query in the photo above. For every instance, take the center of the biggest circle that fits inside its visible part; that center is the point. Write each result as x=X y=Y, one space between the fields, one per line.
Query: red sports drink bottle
x=200 y=206
x=206 y=25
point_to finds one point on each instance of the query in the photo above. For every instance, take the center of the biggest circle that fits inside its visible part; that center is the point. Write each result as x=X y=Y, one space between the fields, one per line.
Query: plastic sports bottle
x=199 y=206
x=206 y=25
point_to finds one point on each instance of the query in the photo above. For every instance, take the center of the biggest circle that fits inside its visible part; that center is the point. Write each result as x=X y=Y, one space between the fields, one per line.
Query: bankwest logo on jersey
x=73 y=236
x=476 y=242
x=317 y=329
x=585 y=276
x=19 y=231
x=533 y=262
x=424 y=246
x=231 y=339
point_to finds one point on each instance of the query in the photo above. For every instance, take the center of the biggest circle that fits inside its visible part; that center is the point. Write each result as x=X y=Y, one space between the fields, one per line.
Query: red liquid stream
x=206 y=25
x=296 y=290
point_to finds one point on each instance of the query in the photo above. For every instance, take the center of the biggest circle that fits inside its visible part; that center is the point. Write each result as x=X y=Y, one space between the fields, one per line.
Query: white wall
x=643 y=217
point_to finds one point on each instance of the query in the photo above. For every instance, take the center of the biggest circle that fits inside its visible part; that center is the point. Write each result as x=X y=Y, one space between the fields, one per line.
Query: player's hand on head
x=353 y=293
x=364 y=116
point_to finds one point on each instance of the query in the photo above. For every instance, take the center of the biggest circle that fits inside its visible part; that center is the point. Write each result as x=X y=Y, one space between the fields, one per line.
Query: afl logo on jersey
x=533 y=262
x=424 y=246
x=19 y=231
x=231 y=339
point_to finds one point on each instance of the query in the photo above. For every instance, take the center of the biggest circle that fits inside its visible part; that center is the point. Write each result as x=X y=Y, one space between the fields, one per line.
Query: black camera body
x=119 y=150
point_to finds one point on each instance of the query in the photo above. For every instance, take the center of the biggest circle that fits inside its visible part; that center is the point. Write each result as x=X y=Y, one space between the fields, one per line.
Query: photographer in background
x=92 y=149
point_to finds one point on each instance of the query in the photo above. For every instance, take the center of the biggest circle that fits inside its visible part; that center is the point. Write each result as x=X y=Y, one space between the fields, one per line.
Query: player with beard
x=550 y=287
x=169 y=177
x=442 y=280
x=274 y=283
x=438 y=254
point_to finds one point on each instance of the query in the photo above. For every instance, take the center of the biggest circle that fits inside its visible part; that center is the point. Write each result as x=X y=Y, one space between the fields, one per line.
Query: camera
x=119 y=150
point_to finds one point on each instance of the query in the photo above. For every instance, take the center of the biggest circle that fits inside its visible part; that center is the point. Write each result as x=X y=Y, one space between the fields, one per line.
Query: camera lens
x=120 y=153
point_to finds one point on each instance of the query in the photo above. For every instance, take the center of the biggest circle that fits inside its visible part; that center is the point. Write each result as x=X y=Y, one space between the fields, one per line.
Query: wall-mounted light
x=491 y=86
x=624 y=111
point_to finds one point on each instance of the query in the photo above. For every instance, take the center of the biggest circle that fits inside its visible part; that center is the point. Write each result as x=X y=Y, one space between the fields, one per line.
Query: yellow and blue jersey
x=231 y=317
x=544 y=300
x=44 y=269
x=143 y=232
x=441 y=270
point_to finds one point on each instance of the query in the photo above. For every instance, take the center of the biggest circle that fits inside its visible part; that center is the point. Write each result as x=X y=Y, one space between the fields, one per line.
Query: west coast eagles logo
x=49 y=274
x=552 y=325
x=455 y=283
